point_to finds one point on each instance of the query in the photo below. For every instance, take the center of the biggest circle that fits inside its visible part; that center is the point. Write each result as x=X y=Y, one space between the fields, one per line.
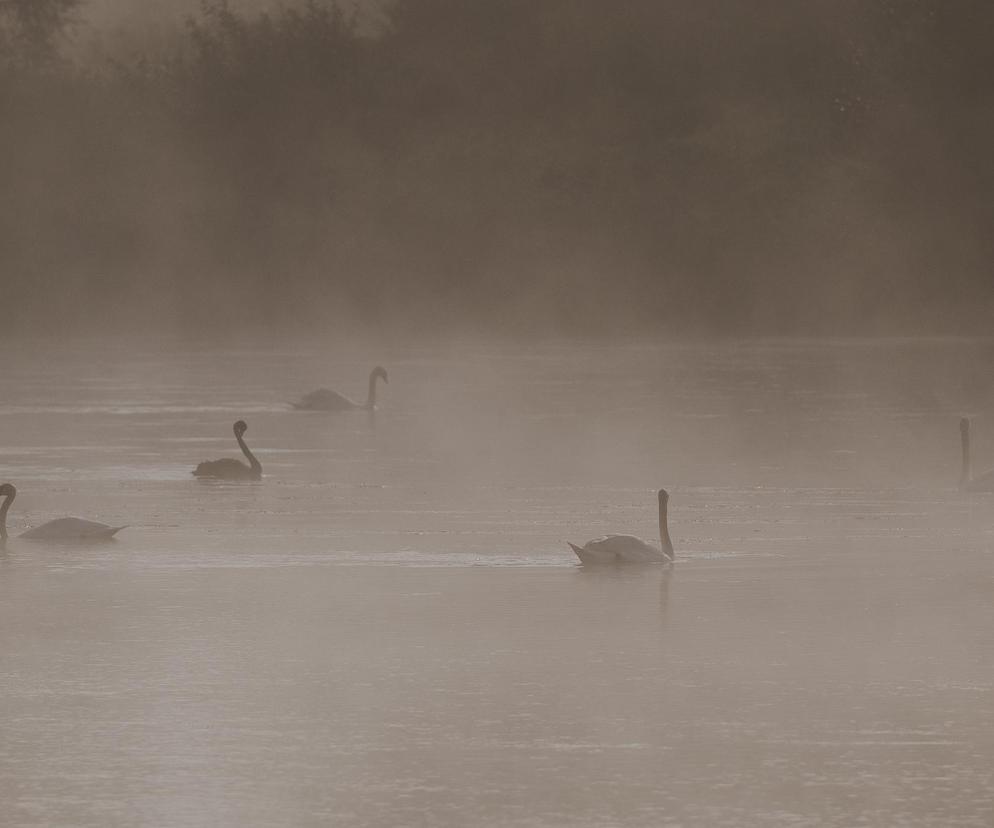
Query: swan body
x=614 y=549
x=326 y=400
x=228 y=468
x=72 y=528
x=967 y=482
x=65 y=529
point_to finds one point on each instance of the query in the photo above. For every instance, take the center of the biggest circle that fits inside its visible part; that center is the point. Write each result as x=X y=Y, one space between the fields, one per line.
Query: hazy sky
x=687 y=163
x=103 y=11
x=108 y=12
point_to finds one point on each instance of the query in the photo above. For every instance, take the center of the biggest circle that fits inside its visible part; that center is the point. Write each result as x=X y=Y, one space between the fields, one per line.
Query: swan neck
x=3 y=516
x=255 y=464
x=967 y=473
x=371 y=394
x=664 y=531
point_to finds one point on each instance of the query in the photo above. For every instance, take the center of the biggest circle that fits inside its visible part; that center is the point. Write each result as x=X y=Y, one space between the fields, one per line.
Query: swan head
x=664 y=497
x=8 y=490
x=381 y=372
x=240 y=427
x=964 y=426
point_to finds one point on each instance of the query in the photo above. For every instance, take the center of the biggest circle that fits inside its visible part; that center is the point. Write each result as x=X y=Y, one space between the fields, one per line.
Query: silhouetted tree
x=31 y=30
x=695 y=161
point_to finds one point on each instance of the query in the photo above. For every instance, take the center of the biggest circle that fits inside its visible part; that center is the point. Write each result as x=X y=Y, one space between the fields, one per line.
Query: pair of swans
x=72 y=528
x=78 y=529
x=64 y=529
x=614 y=549
x=323 y=399
x=609 y=549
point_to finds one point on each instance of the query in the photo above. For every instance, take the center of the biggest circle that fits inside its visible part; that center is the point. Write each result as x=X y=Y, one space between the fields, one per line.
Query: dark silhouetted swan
x=229 y=468
x=326 y=400
x=984 y=483
x=65 y=529
x=627 y=548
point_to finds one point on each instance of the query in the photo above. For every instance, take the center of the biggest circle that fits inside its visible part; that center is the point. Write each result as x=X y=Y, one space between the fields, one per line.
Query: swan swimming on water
x=66 y=529
x=627 y=548
x=326 y=400
x=984 y=483
x=229 y=468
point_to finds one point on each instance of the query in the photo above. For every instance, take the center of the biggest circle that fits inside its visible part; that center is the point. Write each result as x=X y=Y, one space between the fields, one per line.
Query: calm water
x=389 y=629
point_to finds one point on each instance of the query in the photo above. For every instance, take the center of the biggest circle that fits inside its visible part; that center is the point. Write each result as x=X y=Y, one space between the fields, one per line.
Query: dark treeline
x=783 y=167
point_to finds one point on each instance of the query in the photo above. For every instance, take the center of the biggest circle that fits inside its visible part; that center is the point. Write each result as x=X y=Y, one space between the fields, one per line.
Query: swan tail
x=207 y=468
x=577 y=549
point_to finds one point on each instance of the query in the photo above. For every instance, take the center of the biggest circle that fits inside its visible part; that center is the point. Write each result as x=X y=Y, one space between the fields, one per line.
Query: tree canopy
x=819 y=165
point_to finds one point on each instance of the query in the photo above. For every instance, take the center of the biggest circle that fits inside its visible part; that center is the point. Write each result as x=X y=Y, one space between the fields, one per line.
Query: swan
x=229 y=468
x=66 y=529
x=326 y=400
x=628 y=548
x=967 y=482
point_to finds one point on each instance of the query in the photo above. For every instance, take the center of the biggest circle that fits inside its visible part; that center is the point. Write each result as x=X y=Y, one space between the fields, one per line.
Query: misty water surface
x=390 y=628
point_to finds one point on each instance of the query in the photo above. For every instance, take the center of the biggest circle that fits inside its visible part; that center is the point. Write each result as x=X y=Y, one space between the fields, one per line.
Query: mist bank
x=567 y=165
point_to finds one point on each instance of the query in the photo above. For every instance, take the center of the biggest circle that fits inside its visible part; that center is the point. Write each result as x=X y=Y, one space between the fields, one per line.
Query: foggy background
x=390 y=629
x=535 y=214
x=819 y=166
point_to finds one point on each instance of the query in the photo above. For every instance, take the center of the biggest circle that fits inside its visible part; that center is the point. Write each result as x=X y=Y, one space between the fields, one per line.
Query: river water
x=389 y=628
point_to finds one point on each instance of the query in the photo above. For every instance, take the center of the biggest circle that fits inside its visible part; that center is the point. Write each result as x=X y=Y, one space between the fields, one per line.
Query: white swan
x=967 y=482
x=326 y=400
x=65 y=529
x=228 y=468
x=627 y=548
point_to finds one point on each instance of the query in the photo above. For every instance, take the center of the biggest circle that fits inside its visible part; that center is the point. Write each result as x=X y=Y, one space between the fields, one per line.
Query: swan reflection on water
x=967 y=482
x=633 y=580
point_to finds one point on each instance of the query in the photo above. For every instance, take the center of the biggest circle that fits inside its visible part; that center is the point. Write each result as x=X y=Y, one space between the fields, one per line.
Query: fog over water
x=389 y=628
x=739 y=252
